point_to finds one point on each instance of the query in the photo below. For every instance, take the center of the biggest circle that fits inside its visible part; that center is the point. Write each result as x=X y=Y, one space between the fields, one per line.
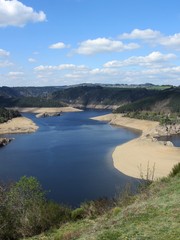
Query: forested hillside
x=6 y=115
x=129 y=99
x=101 y=95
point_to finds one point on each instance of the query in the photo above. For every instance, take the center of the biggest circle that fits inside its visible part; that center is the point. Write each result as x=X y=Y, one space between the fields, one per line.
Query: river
x=71 y=156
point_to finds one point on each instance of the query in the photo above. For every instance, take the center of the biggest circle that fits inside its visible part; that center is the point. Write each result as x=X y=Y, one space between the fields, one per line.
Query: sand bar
x=18 y=125
x=135 y=157
x=47 y=110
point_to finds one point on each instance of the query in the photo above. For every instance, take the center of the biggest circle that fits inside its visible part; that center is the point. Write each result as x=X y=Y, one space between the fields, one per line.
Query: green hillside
x=164 y=101
x=159 y=99
x=85 y=95
x=153 y=214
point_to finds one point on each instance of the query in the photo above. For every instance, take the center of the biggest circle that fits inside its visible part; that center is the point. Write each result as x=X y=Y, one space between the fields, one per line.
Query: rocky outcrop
x=167 y=130
x=5 y=141
x=48 y=114
x=95 y=106
x=163 y=131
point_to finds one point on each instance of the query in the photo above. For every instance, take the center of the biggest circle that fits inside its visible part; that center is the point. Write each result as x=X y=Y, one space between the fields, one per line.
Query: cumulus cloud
x=31 y=60
x=42 y=68
x=15 y=74
x=172 y=41
x=146 y=34
x=4 y=53
x=6 y=63
x=154 y=59
x=102 y=45
x=15 y=13
x=154 y=37
x=59 y=45
x=155 y=67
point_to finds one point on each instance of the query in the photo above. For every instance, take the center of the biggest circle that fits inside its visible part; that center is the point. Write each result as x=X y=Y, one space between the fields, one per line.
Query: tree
x=25 y=201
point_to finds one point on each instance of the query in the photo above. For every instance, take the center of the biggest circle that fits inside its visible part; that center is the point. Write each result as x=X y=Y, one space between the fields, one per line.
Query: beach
x=45 y=110
x=144 y=155
x=18 y=125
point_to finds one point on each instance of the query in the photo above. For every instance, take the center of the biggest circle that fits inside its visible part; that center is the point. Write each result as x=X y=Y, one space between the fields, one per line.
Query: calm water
x=175 y=139
x=70 y=155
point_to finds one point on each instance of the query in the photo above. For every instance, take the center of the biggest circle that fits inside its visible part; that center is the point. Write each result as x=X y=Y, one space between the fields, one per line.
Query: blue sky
x=64 y=42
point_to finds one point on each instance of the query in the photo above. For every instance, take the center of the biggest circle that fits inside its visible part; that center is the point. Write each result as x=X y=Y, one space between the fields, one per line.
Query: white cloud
x=42 y=68
x=6 y=63
x=15 y=74
x=154 y=37
x=31 y=60
x=35 y=53
x=146 y=34
x=102 y=45
x=59 y=45
x=4 y=53
x=155 y=67
x=171 y=41
x=15 y=13
x=154 y=59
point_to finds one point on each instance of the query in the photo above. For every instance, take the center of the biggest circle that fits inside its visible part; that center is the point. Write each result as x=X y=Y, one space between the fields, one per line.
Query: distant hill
x=164 y=101
x=86 y=96
x=28 y=97
x=123 y=98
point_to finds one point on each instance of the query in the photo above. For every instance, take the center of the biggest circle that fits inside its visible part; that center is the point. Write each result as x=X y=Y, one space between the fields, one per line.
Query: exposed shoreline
x=18 y=125
x=42 y=110
x=26 y=125
x=139 y=156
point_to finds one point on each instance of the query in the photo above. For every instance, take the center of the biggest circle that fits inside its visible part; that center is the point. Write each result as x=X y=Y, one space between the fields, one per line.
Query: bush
x=92 y=209
x=54 y=214
x=24 y=211
x=78 y=213
x=175 y=170
x=116 y=211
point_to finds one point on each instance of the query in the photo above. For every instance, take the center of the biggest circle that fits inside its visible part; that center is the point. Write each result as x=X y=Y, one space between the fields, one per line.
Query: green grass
x=153 y=215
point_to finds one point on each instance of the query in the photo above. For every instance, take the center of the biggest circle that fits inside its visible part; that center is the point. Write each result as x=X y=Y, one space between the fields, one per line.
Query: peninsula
x=144 y=155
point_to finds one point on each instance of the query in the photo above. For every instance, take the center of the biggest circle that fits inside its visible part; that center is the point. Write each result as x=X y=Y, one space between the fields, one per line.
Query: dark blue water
x=70 y=155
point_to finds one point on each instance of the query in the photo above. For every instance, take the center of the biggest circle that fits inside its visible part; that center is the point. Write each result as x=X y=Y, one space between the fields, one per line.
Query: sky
x=66 y=42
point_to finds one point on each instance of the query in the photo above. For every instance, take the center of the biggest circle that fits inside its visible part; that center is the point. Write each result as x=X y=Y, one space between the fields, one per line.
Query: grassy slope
x=154 y=215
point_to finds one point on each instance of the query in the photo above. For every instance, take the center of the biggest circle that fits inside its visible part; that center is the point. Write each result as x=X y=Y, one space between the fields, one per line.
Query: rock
x=169 y=143
x=46 y=114
x=5 y=141
x=168 y=130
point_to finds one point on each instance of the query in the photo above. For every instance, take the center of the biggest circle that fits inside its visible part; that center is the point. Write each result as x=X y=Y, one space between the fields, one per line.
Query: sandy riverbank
x=18 y=125
x=47 y=110
x=134 y=157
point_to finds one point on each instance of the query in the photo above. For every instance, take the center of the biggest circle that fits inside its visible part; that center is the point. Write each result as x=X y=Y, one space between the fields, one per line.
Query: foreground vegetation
x=152 y=214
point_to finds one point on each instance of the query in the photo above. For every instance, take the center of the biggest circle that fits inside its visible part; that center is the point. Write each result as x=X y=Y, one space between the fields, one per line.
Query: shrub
x=116 y=211
x=54 y=214
x=24 y=211
x=92 y=209
x=78 y=213
x=175 y=170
